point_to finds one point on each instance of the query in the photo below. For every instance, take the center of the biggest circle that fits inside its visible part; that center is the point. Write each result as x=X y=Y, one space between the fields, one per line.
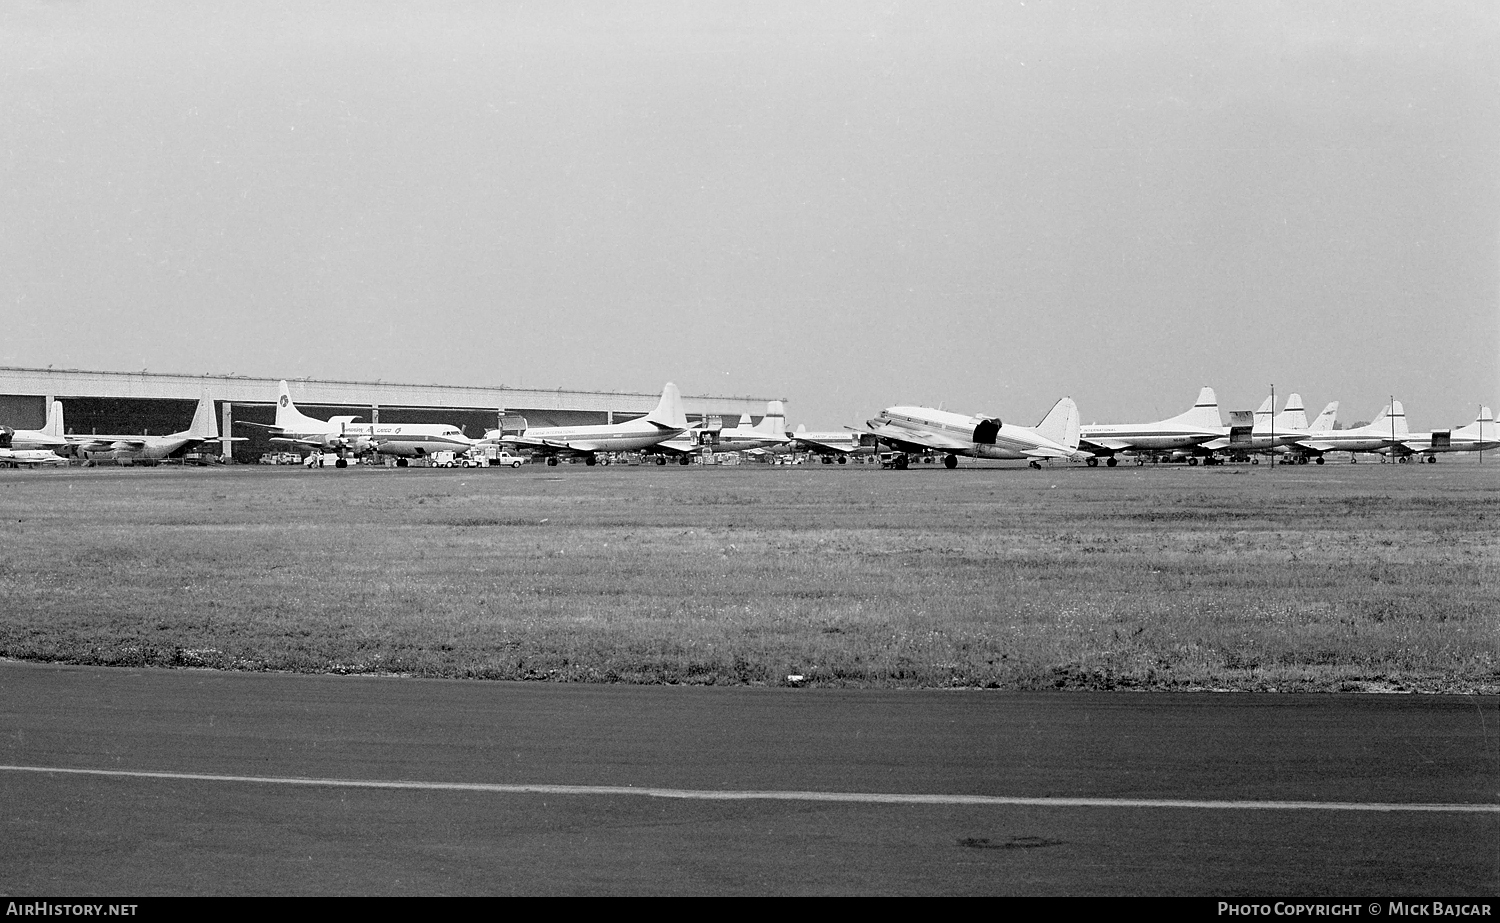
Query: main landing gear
x=950 y=462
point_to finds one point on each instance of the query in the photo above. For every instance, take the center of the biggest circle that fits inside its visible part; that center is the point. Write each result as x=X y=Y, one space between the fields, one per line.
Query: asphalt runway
x=201 y=782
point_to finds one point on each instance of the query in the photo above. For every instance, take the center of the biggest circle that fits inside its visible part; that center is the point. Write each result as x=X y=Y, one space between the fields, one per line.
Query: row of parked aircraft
x=665 y=433
x=1196 y=434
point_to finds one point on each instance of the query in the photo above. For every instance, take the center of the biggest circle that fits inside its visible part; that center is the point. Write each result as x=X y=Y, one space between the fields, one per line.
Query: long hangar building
x=157 y=404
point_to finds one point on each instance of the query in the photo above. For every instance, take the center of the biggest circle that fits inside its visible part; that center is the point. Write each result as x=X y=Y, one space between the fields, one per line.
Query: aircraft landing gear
x=591 y=461
x=843 y=459
x=1036 y=464
x=1111 y=461
x=1093 y=463
x=950 y=462
x=552 y=460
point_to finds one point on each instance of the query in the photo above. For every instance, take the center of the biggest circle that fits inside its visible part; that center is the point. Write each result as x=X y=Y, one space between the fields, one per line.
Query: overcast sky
x=981 y=205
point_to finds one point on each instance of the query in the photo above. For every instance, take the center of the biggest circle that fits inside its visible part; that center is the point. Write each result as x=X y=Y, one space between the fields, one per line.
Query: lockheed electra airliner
x=341 y=434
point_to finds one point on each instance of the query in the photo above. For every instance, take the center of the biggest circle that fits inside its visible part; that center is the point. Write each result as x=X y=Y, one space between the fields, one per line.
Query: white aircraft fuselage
x=401 y=440
x=666 y=421
x=340 y=434
x=934 y=430
x=15 y=458
x=1388 y=429
x=48 y=437
x=1480 y=436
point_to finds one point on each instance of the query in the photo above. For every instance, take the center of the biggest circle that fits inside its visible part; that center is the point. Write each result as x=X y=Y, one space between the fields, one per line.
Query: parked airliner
x=341 y=434
x=124 y=447
x=833 y=446
x=16 y=457
x=663 y=423
x=1183 y=434
x=1386 y=430
x=921 y=430
x=1273 y=434
x=1479 y=436
x=770 y=433
x=49 y=437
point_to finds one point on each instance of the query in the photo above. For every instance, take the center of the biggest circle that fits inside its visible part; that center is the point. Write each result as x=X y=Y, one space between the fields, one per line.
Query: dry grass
x=1331 y=578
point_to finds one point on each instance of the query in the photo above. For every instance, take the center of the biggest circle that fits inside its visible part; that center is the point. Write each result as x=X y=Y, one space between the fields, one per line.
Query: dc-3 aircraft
x=342 y=435
x=96 y=446
x=1182 y=435
x=1272 y=435
x=1386 y=430
x=920 y=430
x=1479 y=436
x=35 y=446
x=658 y=426
x=833 y=446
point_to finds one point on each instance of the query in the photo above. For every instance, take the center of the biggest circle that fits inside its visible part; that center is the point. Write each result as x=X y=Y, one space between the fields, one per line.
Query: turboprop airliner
x=832 y=446
x=1183 y=434
x=1272 y=434
x=1386 y=430
x=49 y=437
x=1479 y=436
x=770 y=433
x=341 y=434
x=15 y=458
x=97 y=446
x=661 y=424
x=920 y=430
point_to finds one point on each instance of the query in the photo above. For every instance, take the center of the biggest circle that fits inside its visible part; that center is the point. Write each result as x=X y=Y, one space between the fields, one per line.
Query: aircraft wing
x=548 y=446
x=1044 y=452
x=93 y=443
x=1315 y=445
x=818 y=446
x=1106 y=445
x=314 y=443
x=901 y=439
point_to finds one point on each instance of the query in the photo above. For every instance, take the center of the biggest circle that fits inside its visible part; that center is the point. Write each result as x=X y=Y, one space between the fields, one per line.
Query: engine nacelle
x=986 y=430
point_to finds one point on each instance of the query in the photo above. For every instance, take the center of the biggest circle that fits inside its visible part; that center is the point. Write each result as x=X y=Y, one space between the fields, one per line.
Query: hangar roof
x=240 y=389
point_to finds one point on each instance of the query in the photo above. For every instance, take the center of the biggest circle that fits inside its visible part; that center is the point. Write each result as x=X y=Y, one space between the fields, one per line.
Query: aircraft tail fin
x=1482 y=427
x=774 y=422
x=669 y=413
x=1324 y=422
x=54 y=425
x=1392 y=419
x=1061 y=424
x=1263 y=415
x=286 y=412
x=205 y=426
x=1205 y=411
x=288 y=417
x=1293 y=416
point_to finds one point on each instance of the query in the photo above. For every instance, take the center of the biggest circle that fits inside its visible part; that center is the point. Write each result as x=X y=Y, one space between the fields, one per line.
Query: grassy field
x=1339 y=577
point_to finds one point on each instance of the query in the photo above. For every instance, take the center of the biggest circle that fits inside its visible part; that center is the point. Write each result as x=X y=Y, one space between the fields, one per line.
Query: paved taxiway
x=532 y=789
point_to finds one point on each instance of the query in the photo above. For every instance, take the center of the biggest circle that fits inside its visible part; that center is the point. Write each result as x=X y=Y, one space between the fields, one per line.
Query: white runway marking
x=708 y=795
